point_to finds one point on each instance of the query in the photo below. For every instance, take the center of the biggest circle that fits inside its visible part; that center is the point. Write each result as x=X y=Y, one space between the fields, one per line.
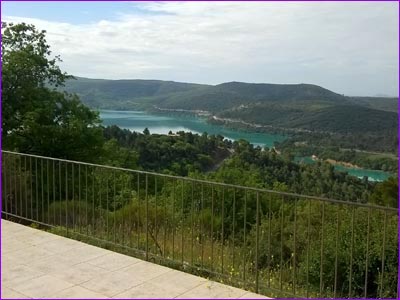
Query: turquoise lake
x=373 y=175
x=162 y=124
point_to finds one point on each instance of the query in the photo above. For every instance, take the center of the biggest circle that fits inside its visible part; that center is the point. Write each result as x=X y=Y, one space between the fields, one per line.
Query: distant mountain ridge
x=304 y=106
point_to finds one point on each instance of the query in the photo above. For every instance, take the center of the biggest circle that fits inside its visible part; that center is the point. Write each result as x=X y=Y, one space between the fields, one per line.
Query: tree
x=386 y=193
x=37 y=118
x=146 y=131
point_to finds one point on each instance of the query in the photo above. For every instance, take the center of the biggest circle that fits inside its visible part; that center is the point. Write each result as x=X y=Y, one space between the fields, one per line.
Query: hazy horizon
x=348 y=48
x=190 y=82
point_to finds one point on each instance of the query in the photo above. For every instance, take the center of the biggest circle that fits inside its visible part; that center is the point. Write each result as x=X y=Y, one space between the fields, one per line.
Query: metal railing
x=275 y=243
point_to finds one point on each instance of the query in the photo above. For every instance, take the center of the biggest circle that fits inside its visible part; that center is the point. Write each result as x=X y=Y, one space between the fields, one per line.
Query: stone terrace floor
x=37 y=264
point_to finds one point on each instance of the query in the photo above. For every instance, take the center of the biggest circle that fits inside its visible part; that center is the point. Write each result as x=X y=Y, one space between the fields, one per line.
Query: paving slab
x=45 y=286
x=111 y=284
x=212 y=289
x=178 y=281
x=79 y=292
x=8 y=293
x=148 y=290
x=80 y=273
x=13 y=275
x=250 y=295
x=38 y=264
x=113 y=261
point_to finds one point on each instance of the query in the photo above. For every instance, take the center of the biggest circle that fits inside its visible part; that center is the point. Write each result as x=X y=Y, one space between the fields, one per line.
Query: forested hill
x=128 y=94
x=103 y=93
x=289 y=106
x=123 y=94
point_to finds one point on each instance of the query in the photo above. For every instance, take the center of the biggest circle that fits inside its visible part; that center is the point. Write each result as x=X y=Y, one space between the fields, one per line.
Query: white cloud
x=351 y=48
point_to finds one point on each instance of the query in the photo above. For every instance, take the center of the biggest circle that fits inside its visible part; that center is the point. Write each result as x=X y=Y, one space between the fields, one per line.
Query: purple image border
x=398 y=106
x=398 y=154
x=1 y=148
x=202 y=1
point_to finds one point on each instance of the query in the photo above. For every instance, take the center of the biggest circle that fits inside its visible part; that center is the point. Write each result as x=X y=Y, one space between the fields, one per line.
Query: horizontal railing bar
x=27 y=219
x=221 y=184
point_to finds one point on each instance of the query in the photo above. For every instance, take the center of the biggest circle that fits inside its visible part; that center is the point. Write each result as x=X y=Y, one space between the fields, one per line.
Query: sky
x=350 y=48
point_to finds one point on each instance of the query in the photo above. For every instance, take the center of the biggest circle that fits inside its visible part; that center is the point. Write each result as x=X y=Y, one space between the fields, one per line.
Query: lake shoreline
x=163 y=123
x=343 y=163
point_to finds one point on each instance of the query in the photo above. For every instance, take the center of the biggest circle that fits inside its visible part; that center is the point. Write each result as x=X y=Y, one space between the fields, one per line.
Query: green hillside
x=175 y=95
x=290 y=106
x=322 y=117
x=381 y=103
x=122 y=94
x=229 y=95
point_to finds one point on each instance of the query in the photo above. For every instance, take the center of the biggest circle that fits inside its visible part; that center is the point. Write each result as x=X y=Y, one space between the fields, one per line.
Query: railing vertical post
x=166 y=222
x=182 y=223
x=20 y=186
x=4 y=183
x=79 y=199
x=257 y=237
x=222 y=231
x=108 y=210
x=25 y=185
x=16 y=189
x=139 y=225
x=233 y=228
x=147 y=220
x=114 y=209
x=93 y=219
x=295 y=247
x=66 y=196
x=351 y=251
x=281 y=251
x=244 y=235
x=73 y=196
x=321 y=265
x=125 y=187
x=130 y=203
x=37 y=190
x=366 y=256
x=336 y=252
x=60 y=191
x=383 y=255
x=31 y=185
x=41 y=190
x=87 y=200
x=269 y=239
x=48 y=192
x=202 y=226
x=54 y=193
x=173 y=218
x=191 y=226
x=212 y=228
x=156 y=211
x=308 y=248
x=11 y=189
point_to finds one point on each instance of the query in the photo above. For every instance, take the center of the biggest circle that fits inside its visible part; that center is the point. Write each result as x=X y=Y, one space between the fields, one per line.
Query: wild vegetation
x=337 y=148
x=178 y=154
x=288 y=244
